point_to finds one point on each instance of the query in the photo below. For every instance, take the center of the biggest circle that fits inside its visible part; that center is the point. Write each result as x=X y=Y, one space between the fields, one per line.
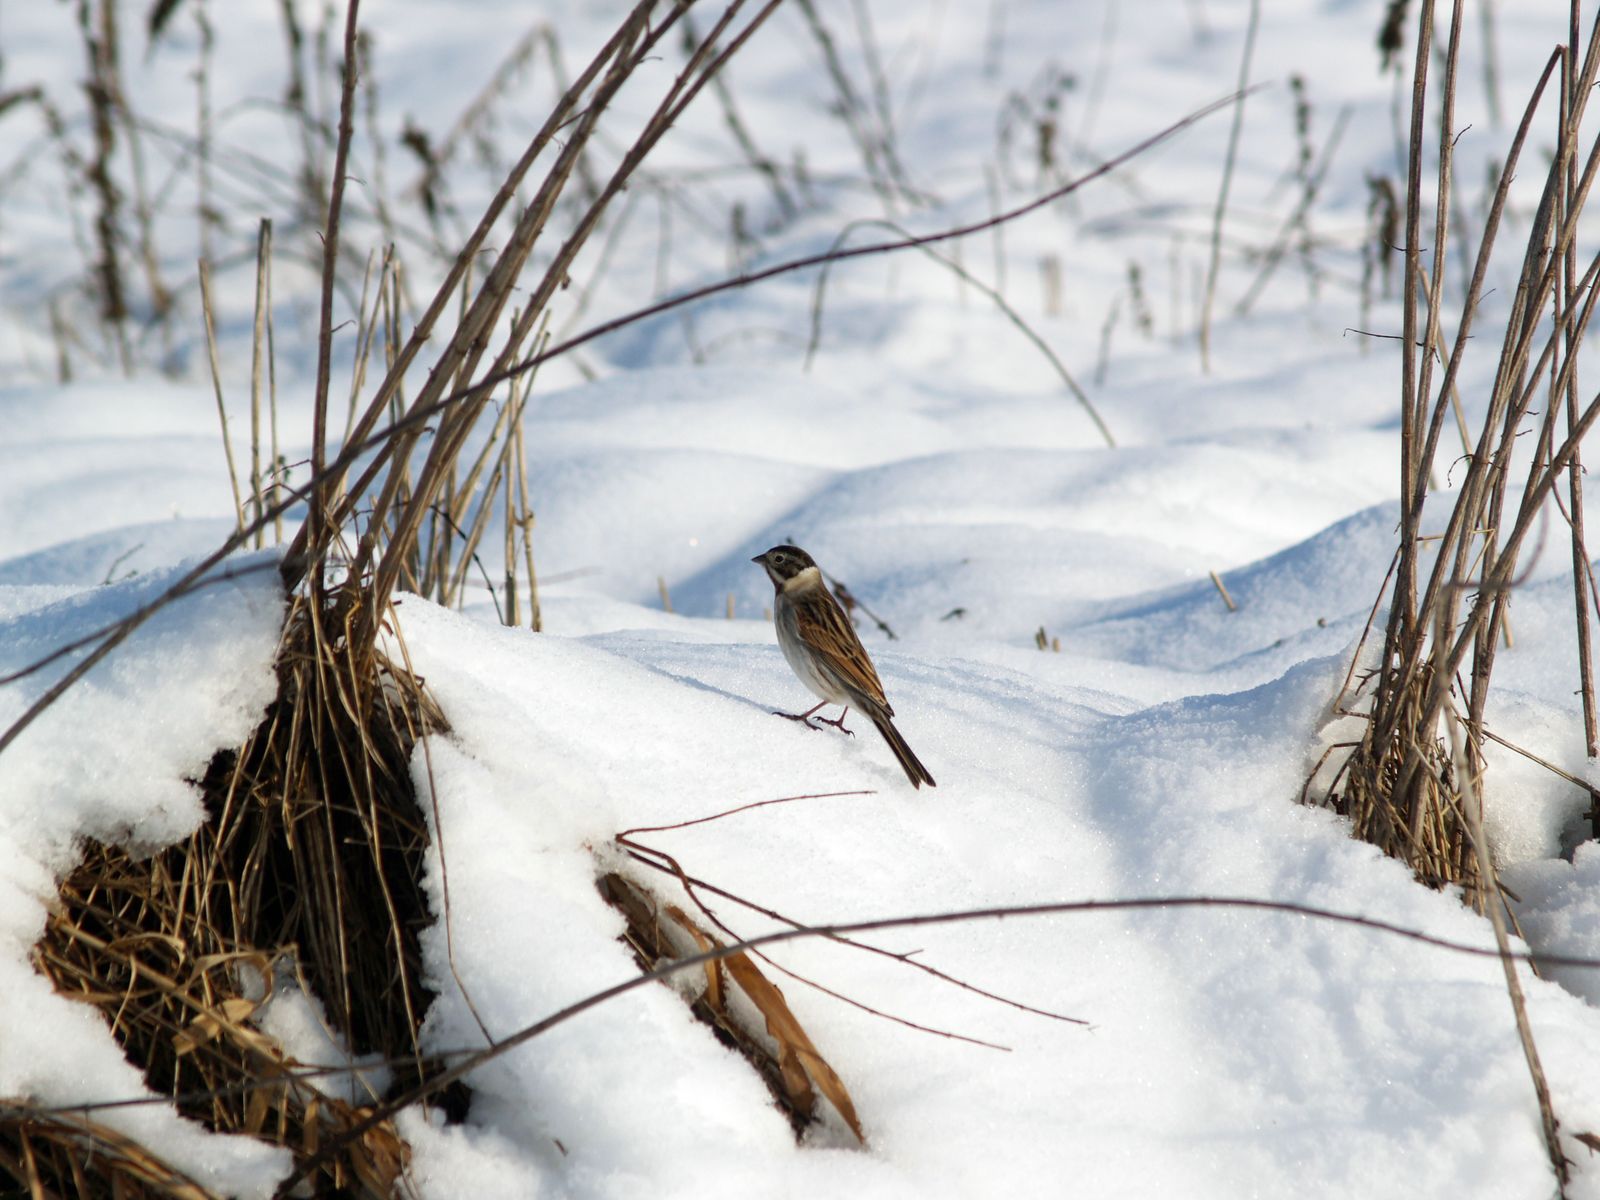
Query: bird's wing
x=824 y=627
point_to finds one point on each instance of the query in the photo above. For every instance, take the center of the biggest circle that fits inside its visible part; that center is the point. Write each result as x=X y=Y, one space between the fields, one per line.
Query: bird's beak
x=760 y=558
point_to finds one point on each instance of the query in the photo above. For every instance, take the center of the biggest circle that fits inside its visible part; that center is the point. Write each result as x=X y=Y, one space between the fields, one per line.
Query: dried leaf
x=794 y=1044
x=706 y=943
x=256 y=1109
x=380 y=1158
x=197 y=1033
x=801 y=1071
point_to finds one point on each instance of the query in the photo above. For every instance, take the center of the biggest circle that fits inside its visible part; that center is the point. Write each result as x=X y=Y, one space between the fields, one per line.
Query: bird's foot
x=804 y=719
x=838 y=724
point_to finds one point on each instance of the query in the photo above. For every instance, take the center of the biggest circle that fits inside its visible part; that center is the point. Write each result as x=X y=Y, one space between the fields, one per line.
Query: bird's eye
x=779 y=558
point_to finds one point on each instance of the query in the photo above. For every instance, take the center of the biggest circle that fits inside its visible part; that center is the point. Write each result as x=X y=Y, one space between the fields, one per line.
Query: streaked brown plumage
x=822 y=648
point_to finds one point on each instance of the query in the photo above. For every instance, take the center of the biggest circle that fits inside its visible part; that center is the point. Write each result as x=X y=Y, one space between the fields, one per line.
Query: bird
x=822 y=648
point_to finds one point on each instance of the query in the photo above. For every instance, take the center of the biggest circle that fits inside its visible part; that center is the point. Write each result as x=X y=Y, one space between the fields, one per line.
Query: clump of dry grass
x=1413 y=783
x=309 y=866
x=1451 y=589
x=55 y=1154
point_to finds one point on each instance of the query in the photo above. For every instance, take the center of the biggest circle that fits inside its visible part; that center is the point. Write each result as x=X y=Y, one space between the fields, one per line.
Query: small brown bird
x=821 y=645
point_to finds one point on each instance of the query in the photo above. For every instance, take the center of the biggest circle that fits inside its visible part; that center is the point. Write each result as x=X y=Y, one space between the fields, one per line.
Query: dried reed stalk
x=1413 y=785
x=1398 y=785
x=1221 y=210
x=394 y=531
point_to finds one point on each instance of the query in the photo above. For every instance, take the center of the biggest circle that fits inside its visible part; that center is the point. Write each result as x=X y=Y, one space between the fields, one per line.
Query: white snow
x=932 y=460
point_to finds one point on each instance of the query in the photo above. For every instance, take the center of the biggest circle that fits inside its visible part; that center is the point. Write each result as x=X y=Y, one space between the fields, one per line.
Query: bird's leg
x=805 y=717
x=839 y=724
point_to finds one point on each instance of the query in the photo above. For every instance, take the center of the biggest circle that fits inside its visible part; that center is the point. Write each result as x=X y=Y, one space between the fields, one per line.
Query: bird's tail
x=915 y=771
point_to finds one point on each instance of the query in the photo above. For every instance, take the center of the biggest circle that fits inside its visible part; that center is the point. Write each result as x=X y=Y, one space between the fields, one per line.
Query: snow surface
x=933 y=461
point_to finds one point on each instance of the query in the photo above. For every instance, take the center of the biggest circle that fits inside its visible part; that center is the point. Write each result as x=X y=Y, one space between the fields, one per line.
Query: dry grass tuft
x=308 y=868
x=1428 y=831
x=70 y=1156
x=1414 y=783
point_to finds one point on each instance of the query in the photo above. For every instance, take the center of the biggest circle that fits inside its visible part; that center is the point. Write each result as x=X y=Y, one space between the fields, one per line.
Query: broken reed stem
x=1227 y=181
x=508 y=548
x=101 y=44
x=216 y=384
x=524 y=523
x=278 y=466
x=1223 y=591
x=61 y=340
x=257 y=340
